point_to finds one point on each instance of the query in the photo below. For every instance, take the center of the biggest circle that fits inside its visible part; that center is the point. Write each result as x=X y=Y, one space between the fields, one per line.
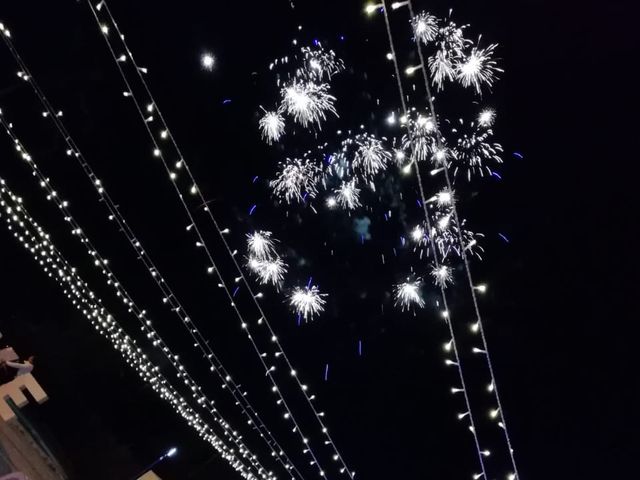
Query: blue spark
x=518 y=155
x=495 y=174
x=326 y=372
x=255 y=179
x=418 y=202
x=252 y=209
x=503 y=238
x=235 y=291
x=360 y=347
x=309 y=282
x=226 y=101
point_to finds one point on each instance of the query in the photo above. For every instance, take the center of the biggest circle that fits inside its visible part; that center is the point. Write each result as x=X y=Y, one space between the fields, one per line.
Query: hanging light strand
x=106 y=18
x=141 y=316
x=463 y=253
x=423 y=200
x=39 y=244
x=168 y=296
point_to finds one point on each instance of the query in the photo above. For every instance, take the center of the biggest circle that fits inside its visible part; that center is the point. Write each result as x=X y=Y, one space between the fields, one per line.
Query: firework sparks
x=320 y=63
x=478 y=68
x=444 y=197
x=371 y=156
x=441 y=67
x=261 y=246
x=442 y=275
x=271 y=127
x=307 y=301
x=294 y=178
x=486 y=117
x=472 y=150
x=407 y=294
x=425 y=27
x=418 y=234
x=422 y=140
x=207 y=61
x=308 y=102
x=348 y=195
x=269 y=271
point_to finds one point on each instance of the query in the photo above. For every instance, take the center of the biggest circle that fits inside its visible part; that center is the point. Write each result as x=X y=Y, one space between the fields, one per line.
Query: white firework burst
x=425 y=27
x=418 y=234
x=294 y=178
x=478 y=68
x=307 y=302
x=446 y=236
x=348 y=195
x=269 y=271
x=442 y=275
x=486 y=117
x=271 y=127
x=421 y=141
x=371 y=156
x=472 y=150
x=260 y=245
x=319 y=63
x=407 y=294
x=452 y=40
x=441 y=68
x=443 y=198
x=308 y=102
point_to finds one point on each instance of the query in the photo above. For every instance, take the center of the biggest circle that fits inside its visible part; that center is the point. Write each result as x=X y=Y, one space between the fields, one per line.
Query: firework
x=269 y=271
x=444 y=197
x=271 y=127
x=308 y=102
x=348 y=195
x=452 y=40
x=207 y=61
x=441 y=67
x=307 y=301
x=418 y=234
x=407 y=294
x=319 y=63
x=472 y=150
x=486 y=117
x=421 y=141
x=442 y=275
x=478 y=68
x=260 y=245
x=371 y=156
x=446 y=235
x=295 y=177
x=425 y=27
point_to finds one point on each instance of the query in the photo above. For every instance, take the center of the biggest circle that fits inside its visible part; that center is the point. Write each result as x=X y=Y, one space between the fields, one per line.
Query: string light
x=200 y=341
x=36 y=241
x=479 y=68
x=146 y=324
x=262 y=317
x=423 y=198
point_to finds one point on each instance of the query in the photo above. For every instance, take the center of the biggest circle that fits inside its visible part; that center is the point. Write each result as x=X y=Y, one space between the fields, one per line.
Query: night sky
x=561 y=303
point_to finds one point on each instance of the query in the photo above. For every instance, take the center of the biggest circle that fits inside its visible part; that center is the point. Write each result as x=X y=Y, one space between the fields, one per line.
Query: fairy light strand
x=465 y=259
x=36 y=241
x=168 y=296
x=195 y=190
x=146 y=324
x=423 y=198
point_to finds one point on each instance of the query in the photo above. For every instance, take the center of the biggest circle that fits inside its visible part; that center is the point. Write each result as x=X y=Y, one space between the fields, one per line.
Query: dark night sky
x=559 y=311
